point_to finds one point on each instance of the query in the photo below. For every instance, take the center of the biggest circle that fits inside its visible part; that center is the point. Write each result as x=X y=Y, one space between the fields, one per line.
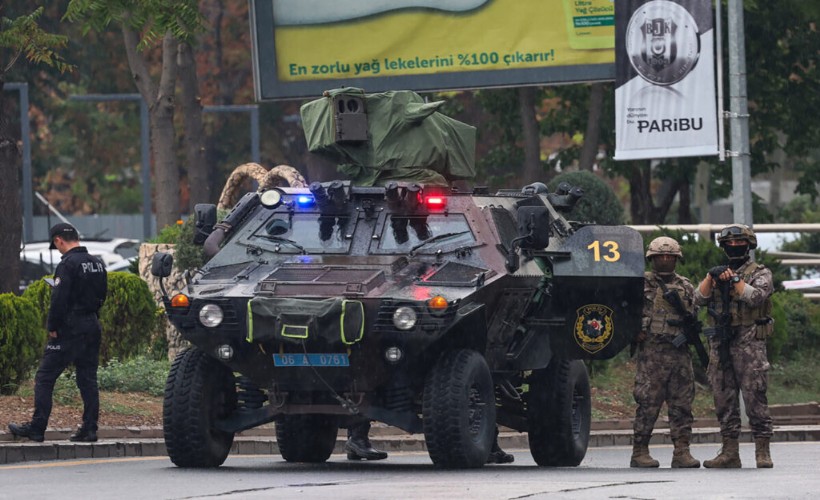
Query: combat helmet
x=664 y=245
x=737 y=232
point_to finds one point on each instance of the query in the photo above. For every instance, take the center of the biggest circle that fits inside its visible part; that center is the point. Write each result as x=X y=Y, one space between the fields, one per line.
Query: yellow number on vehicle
x=612 y=254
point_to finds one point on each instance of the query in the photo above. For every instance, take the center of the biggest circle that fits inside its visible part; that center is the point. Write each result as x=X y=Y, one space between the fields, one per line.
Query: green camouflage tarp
x=409 y=140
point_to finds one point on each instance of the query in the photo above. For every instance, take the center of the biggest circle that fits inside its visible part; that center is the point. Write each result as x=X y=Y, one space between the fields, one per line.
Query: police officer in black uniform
x=74 y=334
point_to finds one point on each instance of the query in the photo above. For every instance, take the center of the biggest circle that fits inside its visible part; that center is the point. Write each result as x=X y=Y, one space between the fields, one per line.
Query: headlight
x=404 y=318
x=210 y=315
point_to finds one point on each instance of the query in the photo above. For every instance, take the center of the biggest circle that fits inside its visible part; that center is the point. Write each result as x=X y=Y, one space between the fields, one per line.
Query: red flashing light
x=436 y=201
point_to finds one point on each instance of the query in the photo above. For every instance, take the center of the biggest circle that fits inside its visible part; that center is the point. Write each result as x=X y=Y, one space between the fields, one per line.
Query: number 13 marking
x=612 y=254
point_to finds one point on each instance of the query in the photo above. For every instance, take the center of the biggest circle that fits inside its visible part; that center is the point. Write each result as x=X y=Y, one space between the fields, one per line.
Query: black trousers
x=83 y=351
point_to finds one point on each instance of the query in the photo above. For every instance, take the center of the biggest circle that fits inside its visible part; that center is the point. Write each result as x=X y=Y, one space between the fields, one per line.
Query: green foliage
x=168 y=234
x=187 y=255
x=139 y=374
x=599 y=204
x=39 y=293
x=782 y=41
x=24 y=37
x=128 y=317
x=795 y=381
x=802 y=210
x=797 y=324
x=152 y=19
x=498 y=167
x=21 y=340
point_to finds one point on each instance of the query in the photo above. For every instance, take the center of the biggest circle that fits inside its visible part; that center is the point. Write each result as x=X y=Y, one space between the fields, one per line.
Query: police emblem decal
x=593 y=327
x=662 y=42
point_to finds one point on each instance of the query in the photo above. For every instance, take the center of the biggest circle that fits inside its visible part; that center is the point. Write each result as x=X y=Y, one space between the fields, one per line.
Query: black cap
x=62 y=229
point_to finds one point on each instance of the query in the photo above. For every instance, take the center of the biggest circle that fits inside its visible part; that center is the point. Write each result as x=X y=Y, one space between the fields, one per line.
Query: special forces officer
x=74 y=334
x=739 y=301
x=664 y=371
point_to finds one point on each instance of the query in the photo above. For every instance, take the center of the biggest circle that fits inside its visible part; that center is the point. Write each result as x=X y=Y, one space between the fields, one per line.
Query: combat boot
x=26 y=430
x=728 y=458
x=681 y=458
x=762 y=455
x=358 y=445
x=640 y=454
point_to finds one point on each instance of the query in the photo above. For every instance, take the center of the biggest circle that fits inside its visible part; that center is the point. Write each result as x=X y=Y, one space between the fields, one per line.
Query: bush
x=140 y=374
x=39 y=293
x=22 y=340
x=599 y=204
x=797 y=325
x=187 y=255
x=129 y=318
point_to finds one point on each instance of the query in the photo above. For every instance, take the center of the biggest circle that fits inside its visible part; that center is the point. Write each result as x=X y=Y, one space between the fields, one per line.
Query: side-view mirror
x=161 y=264
x=533 y=227
x=205 y=217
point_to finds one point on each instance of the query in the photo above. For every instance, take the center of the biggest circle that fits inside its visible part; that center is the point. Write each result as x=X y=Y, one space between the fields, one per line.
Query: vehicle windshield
x=421 y=234
x=304 y=233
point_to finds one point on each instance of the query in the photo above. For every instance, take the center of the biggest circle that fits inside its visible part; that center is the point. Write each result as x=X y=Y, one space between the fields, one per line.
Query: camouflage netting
x=408 y=140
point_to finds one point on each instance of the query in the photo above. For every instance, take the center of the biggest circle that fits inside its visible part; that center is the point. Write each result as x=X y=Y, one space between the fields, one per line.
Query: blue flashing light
x=304 y=200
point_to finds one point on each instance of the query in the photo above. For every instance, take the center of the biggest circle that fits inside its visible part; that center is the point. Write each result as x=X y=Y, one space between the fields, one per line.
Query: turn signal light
x=180 y=300
x=437 y=303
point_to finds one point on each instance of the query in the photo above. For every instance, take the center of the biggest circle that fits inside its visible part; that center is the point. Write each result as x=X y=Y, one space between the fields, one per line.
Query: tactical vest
x=743 y=315
x=663 y=311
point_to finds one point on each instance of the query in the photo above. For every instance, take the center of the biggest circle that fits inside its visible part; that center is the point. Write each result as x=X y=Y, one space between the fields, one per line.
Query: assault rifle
x=723 y=319
x=689 y=324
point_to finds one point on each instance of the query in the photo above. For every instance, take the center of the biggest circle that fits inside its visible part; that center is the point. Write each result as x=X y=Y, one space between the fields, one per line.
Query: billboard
x=665 y=103
x=303 y=47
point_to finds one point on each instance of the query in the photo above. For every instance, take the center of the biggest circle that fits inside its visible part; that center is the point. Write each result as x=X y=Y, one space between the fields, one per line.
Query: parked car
x=38 y=260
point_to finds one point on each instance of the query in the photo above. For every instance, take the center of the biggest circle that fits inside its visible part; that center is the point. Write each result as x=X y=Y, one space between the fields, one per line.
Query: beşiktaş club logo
x=662 y=42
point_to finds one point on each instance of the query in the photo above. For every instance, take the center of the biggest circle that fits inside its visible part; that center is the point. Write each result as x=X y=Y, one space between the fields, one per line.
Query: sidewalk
x=148 y=441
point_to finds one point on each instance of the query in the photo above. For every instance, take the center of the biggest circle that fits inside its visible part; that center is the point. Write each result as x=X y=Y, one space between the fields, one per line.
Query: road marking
x=72 y=463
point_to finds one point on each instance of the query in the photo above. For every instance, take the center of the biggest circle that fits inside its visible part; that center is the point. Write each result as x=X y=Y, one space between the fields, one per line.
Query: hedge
x=22 y=340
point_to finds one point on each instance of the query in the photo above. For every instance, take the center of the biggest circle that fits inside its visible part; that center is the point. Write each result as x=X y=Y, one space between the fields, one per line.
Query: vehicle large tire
x=559 y=411
x=199 y=391
x=459 y=410
x=306 y=438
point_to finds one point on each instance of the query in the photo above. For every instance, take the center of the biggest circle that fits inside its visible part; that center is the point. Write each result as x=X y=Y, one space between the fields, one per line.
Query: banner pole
x=719 y=60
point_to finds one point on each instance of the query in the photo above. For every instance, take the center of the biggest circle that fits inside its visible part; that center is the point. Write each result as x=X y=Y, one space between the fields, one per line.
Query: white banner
x=665 y=103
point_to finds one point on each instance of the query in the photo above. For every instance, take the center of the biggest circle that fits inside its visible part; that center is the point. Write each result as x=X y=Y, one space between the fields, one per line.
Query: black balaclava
x=738 y=254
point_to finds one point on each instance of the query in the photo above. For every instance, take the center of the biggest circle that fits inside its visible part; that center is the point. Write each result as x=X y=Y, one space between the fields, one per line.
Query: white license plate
x=313 y=359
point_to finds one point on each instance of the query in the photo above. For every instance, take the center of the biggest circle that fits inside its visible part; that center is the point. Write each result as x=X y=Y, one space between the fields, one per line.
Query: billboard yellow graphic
x=499 y=34
x=448 y=43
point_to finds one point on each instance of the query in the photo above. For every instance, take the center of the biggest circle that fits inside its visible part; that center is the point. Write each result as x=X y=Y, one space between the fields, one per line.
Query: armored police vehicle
x=434 y=310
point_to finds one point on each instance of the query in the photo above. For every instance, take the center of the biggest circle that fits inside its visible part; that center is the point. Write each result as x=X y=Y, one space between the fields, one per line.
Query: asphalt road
x=603 y=474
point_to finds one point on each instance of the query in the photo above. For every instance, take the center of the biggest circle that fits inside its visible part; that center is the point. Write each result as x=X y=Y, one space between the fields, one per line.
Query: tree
x=143 y=25
x=19 y=38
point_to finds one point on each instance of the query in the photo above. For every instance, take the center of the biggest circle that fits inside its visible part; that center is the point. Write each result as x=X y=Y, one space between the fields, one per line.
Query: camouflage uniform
x=748 y=366
x=664 y=372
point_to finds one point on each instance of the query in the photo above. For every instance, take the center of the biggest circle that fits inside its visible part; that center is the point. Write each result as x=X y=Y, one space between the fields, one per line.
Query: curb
x=148 y=442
